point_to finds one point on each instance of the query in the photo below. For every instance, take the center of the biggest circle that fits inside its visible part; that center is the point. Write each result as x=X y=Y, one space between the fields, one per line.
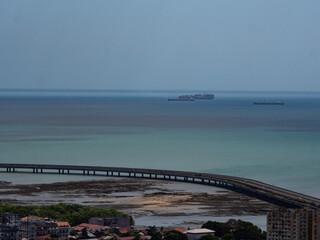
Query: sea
x=276 y=144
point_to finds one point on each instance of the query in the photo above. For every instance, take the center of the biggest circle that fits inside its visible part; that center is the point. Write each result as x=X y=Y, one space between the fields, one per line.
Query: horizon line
x=145 y=90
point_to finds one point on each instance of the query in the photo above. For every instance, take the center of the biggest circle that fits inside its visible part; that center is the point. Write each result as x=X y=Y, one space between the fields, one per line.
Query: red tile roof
x=44 y=237
x=126 y=238
x=180 y=230
x=89 y=226
x=63 y=224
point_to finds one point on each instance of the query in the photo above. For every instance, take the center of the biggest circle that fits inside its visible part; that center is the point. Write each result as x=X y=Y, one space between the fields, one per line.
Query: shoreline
x=151 y=202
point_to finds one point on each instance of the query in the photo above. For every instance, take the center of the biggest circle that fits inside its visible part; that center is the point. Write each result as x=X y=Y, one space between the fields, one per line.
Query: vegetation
x=236 y=230
x=154 y=233
x=74 y=214
x=174 y=235
x=209 y=237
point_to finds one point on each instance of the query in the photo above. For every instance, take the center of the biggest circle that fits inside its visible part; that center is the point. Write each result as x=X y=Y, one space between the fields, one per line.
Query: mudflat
x=140 y=198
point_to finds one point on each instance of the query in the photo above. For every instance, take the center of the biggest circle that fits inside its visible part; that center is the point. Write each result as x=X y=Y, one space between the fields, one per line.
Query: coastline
x=150 y=202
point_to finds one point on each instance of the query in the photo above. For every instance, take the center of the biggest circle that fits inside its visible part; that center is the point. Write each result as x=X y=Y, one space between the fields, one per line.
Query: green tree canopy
x=208 y=237
x=72 y=213
x=174 y=235
x=235 y=229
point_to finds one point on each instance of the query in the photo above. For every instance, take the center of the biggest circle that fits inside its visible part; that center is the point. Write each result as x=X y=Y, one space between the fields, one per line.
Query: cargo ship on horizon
x=205 y=96
x=182 y=98
x=280 y=102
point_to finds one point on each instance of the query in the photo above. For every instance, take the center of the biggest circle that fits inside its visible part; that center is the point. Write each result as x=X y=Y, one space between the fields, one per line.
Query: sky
x=234 y=45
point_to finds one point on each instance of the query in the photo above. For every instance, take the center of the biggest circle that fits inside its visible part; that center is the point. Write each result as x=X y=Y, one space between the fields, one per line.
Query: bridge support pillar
x=94 y=172
x=68 y=171
x=41 y=170
x=84 y=172
x=107 y=173
x=118 y=174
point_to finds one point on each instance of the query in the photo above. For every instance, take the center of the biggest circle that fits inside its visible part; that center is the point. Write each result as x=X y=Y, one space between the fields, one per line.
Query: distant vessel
x=280 y=102
x=182 y=98
x=204 y=96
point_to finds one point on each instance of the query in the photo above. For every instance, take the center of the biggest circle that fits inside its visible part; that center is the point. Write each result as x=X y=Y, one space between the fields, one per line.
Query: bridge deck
x=257 y=189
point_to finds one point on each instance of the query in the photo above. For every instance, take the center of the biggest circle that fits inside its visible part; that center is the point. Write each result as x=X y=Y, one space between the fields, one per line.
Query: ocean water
x=276 y=144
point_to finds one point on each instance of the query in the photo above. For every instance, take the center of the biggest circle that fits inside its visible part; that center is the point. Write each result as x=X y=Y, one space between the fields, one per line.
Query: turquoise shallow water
x=279 y=145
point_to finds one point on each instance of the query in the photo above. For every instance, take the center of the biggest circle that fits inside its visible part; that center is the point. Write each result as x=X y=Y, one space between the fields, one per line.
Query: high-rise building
x=293 y=224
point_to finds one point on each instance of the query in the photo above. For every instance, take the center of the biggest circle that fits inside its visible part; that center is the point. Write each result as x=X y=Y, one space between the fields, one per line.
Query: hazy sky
x=165 y=44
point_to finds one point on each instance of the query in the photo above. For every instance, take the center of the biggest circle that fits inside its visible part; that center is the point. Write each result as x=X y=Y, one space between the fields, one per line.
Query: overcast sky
x=165 y=44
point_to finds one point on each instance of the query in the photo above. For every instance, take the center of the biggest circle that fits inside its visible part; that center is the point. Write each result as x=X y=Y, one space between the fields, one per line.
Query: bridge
x=250 y=187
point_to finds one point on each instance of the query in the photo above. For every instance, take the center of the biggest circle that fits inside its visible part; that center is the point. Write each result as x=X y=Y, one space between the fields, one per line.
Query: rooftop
x=200 y=231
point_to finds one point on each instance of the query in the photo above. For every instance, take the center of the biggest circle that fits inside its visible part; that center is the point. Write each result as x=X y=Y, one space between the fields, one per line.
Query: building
x=293 y=224
x=35 y=228
x=9 y=227
x=316 y=225
x=90 y=227
x=123 y=222
x=63 y=230
x=198 y=233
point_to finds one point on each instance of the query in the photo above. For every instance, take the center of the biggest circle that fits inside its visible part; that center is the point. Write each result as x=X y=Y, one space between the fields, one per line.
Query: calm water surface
x=279 y=145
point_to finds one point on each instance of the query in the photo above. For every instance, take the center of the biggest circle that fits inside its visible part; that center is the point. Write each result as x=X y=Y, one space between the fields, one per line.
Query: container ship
x=182 y=98
x=280 y=102
x=204 y=96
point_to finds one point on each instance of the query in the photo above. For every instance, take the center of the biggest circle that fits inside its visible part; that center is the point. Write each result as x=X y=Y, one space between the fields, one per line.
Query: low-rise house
x=43 y=237
x=63 y=229
x=123 y=231
x=198 y=233
x=123 y=222
x=38 y=228
x=132 y=237
x=90 y=227
x=182 y=230
x=111 y=237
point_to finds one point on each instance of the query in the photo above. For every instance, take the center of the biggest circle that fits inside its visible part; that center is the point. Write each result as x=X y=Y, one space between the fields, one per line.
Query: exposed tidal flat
x=278 y=145
x=150 y=202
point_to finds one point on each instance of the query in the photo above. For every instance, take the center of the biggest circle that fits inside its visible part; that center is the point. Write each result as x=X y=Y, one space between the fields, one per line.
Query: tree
x=154 y=233
x=73 y=232
x=174 y=235
x=236 y=230
x=137 y=236
x=228 y=236
x=84 y=233
x=219 y=228
x=209 y=237
x=246 y=230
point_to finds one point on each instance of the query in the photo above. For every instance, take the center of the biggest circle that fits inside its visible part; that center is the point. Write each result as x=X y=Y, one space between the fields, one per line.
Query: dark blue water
x=229 y=135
